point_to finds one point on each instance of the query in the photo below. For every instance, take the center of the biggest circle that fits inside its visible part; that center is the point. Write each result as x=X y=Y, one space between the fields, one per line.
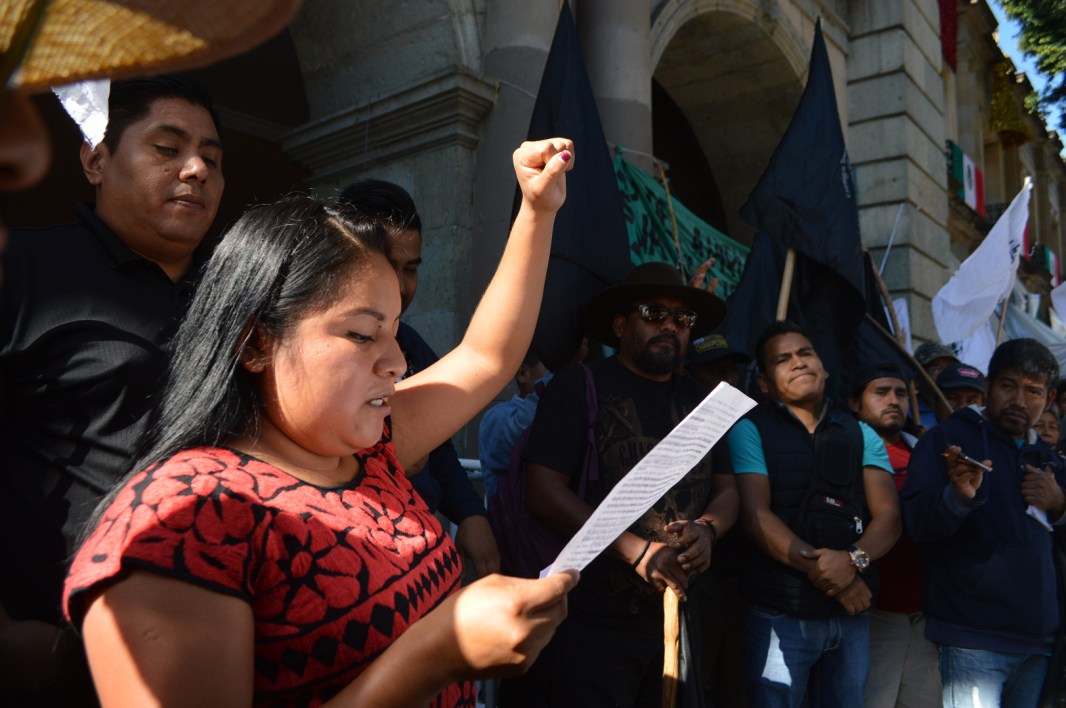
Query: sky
x=1009 y=32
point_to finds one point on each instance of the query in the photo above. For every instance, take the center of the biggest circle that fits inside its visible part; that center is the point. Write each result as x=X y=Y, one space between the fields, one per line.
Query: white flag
x=903 y=316
x=986 y=277
x=976 y=350
x=86 y=103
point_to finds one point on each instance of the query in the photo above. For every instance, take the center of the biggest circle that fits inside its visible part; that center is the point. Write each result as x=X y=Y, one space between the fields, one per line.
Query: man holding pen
x=981 y=498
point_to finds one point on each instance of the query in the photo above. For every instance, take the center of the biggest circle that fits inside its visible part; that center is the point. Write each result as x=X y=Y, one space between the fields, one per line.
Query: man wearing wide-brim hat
x=618 y=605
x=44 y=43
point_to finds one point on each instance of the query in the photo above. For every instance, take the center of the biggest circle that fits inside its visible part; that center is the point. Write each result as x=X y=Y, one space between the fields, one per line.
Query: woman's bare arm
x=431 y=405
x=154 y=640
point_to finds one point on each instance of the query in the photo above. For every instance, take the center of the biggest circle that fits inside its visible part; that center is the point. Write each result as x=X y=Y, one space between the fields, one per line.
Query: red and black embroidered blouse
x=333 y=575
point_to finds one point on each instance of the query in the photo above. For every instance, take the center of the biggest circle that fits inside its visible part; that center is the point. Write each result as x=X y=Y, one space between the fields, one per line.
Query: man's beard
x=1018 y=429
x=888 y=430
x=658 y=361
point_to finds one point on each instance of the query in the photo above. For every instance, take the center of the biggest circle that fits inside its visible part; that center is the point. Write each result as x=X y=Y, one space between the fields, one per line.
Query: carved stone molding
x=443 y=110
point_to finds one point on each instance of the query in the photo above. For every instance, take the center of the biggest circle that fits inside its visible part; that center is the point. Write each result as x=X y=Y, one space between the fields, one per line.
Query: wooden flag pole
x=673 y=220
x=910 y=357
x=786 y=285
x=671 y=647
x=1002 y=320
x=901 y=338
x=886 y=297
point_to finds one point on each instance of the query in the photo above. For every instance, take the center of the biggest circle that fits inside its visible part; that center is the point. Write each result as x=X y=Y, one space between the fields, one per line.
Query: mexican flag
x=986 y=278
x=968 y=181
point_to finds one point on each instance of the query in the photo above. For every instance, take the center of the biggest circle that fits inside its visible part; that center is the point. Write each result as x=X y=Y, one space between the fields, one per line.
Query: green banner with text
x=651 y=233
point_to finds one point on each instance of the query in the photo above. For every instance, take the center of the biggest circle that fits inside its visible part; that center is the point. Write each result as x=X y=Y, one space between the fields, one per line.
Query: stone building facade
x=435 y=94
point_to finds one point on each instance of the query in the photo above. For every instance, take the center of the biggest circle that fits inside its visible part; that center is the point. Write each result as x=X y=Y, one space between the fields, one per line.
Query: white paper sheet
x=659 y=470
x=1039 y=516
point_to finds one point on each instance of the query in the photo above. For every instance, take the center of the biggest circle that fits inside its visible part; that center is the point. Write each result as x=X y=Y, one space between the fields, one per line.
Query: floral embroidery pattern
x=333 y=575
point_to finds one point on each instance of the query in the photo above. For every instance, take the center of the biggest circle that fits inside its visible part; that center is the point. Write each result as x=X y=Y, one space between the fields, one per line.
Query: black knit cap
x=880 y=370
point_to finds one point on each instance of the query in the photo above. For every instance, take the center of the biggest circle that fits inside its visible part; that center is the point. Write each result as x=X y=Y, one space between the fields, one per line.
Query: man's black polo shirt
x=84 y=326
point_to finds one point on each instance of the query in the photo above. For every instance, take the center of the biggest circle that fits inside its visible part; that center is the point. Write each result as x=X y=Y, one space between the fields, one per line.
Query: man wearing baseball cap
x=617 y=607
x=933 y=357
x=963 y=385
x=711 y=359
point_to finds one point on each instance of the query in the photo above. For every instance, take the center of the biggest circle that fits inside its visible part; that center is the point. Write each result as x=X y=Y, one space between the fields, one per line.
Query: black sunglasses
x=683 y=317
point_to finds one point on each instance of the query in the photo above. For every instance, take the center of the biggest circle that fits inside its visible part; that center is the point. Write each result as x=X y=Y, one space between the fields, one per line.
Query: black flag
x=875 y=342
x=590 y=246
x=806 y=200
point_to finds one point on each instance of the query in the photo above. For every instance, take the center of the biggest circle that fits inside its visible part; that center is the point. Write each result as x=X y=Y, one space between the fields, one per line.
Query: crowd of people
x=203 y=467
x=222 y=472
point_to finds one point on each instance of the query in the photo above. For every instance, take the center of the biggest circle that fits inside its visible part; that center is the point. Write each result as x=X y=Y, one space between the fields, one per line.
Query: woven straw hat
x=50 y=42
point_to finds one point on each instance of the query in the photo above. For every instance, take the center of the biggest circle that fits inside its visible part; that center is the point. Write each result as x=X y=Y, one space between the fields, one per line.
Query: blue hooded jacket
x=990 y=580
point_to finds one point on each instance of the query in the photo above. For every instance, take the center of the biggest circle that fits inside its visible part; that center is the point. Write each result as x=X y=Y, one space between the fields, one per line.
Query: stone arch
x=355 y=53
x=467 y=37
x=731 y=72
x=672 y=15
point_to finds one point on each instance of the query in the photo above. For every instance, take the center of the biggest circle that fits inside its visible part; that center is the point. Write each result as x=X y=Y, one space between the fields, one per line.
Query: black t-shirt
x=84 y=328
x=443 y=483
x=634 y=414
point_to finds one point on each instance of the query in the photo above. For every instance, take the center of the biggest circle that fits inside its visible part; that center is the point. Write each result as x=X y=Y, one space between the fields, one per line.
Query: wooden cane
x=786 y=285
x=671 y=647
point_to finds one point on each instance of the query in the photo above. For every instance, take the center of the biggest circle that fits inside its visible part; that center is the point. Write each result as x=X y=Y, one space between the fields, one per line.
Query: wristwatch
x=859 y=559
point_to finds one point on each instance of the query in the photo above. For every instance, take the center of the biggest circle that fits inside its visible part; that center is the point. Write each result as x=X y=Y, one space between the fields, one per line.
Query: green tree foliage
x=1043 y=37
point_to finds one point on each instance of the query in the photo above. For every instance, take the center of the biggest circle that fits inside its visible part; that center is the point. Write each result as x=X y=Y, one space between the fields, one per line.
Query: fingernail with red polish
x=565 y=155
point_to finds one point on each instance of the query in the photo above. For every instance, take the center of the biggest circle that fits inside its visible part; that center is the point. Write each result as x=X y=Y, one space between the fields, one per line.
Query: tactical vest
x=817 y=490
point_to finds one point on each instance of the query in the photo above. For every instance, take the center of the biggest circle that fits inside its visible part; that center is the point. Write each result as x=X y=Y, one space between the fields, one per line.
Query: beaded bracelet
x=647 y=545
x=709 y=525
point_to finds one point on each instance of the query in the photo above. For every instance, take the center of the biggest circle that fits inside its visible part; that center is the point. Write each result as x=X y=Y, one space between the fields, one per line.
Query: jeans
x=904 y=667
x=976 y=678
x=787 y=657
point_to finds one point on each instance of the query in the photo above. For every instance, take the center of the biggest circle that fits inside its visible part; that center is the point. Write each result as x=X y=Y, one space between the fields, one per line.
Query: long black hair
x=276 y=264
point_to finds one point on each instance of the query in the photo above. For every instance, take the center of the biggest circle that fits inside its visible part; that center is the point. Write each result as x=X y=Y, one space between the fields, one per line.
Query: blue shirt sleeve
x=874 y=453
x=745 y=448
x=500 y=428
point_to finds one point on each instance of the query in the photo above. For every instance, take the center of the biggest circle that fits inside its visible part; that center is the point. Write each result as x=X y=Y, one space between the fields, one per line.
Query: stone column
x=516 y=40
x=896 y=134
x=400 y=96
x=616 y=44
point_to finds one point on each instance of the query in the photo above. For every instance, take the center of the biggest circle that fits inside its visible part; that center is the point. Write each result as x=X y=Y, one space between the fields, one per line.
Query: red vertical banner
x=979 y=193
x=949 y=29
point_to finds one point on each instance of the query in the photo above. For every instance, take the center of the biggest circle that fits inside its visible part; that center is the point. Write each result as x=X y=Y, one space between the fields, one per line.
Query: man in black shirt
x=440 y=479
x=609 y=650
x=86 y=313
